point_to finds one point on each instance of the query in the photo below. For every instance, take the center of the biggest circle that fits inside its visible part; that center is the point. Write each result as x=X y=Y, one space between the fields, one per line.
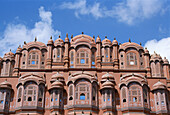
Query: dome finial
x=10 y=50
x=105 y=36
x=35 y=39
x=145 y=47
x=140 y=43
x=25 y=42
x=66 y=35
x=93 y=37
x=129 y=40
x=114 y=38
x=59 y=36
x=72 y=36
x=51 y=38
x=82 y=32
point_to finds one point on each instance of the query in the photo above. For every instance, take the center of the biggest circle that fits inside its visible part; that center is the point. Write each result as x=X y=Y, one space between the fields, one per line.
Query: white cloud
x=15 y=34
x=81 y=8
x=128 y=11
x=161 y=47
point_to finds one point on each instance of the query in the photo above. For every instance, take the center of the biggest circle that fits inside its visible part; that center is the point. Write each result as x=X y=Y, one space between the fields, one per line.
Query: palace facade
x=84 y=76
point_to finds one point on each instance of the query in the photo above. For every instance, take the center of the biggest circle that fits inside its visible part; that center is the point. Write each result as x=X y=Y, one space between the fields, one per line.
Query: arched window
x=93 y=59
x=145 y=95
x=83 y=91
x=19 y=94
x=82 y=57
x=40 y=93
x=124 y=94
x=30 y=92
x=2 y=97
x=82 y=96
x=33 y=58
x=71 y=59
x=134 y=94
x=131 y=59
x=108 y=95
x=93 y=93
x=7 y=67
x=71 y=92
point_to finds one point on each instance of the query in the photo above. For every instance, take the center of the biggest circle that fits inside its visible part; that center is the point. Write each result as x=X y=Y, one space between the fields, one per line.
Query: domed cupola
x=9 y=55
x=114 y=42
x=158 y=85
x=165 y=61
x=6 y=85
x=19 y=49
x=107 y=76
x=67 y=39
x=146 y=51
x=56 y=84
x=108 y=84
x=155 y=57
x=59 y=42
x=58 y=77
x=50 y=42
x=106 y=41
x=98 y=39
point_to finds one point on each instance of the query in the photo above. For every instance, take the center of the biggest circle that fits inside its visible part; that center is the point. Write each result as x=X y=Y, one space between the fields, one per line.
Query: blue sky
x=145 y=21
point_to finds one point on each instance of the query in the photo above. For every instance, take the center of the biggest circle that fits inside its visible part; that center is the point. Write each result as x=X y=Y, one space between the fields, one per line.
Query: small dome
x=114 y=42
x=98 y=39
x=159 y=85
x=156 y=56
x=57 y=75
x=9 y=54
x=59 y=40
x=66 y=39
x=165 y=61
x=108 y=84
x=5 y=84
x=19 y=49
x=50 y=41
x=146 y=51
x=107 y=75
x=56 y=84
x=106 y=41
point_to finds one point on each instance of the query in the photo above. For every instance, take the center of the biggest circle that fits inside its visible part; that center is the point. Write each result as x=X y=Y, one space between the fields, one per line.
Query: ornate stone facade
x=84 y=76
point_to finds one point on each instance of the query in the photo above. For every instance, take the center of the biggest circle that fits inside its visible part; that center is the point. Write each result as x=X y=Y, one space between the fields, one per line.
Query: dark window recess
x=124 y=100
x=71 y=98
x=40 y=99
x=121 y=55
x=145 y=100
x=42 y=63
x=19 y=99
x=23 y=62
x=93 y=98
x=29 y=99
x=141 y=63
x=121 y=63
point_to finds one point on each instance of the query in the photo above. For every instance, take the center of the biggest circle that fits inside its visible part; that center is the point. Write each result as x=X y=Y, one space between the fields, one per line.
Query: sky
x=145 y=21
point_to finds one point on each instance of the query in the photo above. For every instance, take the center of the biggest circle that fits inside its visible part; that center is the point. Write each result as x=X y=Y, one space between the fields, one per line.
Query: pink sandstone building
x=84 y=76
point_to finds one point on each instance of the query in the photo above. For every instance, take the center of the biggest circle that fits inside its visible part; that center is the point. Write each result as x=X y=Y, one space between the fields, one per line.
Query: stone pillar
x=49 y=53
x=166 y=68
x=115 y=54
x=66 y=53
x=98 y=56
x=146 y=62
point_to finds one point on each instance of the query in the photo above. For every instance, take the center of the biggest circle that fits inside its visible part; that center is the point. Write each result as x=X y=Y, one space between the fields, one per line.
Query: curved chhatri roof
x=106 y=42
x=82 y=75
x=38 y=78
x=35 y=43
x=130 y=78
x=159 y=85
x=6 y=84
x=82 y=40
x=127 y=45
x=155 y=57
